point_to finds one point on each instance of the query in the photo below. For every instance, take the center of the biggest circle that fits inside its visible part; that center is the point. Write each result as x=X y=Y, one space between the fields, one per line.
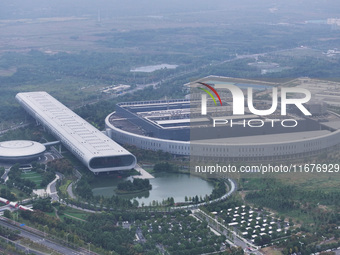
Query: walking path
x=144 y=174
x=70 y=191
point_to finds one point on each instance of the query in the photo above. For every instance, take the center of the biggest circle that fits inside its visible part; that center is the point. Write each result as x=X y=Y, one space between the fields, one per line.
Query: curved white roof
x=20 y=148
x=97 y=151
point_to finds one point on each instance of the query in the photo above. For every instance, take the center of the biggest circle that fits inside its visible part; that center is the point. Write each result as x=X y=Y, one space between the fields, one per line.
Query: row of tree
x=134 y=186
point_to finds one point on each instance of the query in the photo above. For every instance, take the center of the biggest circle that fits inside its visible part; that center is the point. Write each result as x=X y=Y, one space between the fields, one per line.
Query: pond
x=164 y=185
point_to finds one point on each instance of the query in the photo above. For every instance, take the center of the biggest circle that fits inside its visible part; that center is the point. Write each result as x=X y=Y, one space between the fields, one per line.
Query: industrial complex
x=178 y=127
x=93 y=148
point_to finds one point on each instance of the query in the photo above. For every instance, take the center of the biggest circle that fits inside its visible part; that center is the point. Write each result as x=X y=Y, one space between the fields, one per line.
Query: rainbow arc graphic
x=209 y=93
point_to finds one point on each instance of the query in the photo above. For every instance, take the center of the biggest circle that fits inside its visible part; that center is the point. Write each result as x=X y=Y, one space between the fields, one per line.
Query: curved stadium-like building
x=171 y=126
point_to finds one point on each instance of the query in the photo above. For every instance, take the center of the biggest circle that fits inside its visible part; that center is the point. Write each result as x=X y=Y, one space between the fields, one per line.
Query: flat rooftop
x=332 y=124
x=262 y=139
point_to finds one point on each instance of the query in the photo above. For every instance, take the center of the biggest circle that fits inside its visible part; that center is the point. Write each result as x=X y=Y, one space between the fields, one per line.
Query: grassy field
x=32 y=176
x=63 y=188
x=74 y=214
x=19 y=194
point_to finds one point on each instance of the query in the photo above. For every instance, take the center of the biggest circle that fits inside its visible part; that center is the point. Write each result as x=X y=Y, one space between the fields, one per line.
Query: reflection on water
x=165 y=185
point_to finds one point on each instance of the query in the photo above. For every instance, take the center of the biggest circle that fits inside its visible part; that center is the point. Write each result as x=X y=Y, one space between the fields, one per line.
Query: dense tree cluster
x=31 y=133
x=62 y=165
x=164 y=167
x=43 y=205
x=26 y=185
x=149 y=155
x=179 y=233
x=15 y=179
x=6 y=193
x=135 y=185
x=318 y=223
x=284 y=197
x=8 y=233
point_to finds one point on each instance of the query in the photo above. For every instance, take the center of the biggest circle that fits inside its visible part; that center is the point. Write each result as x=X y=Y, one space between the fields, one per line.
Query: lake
x=164 y=185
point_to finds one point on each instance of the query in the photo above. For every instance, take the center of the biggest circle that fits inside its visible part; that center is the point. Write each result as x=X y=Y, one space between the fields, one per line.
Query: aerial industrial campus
x=169 y=127
x=177 y=127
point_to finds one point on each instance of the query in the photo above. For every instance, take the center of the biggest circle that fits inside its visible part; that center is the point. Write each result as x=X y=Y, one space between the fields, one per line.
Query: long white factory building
x=93 y=148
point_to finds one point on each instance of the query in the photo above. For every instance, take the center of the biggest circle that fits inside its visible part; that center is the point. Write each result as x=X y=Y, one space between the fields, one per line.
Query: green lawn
x=18 y=193
x=74 y=213
x=63 y=188
x=32 y=176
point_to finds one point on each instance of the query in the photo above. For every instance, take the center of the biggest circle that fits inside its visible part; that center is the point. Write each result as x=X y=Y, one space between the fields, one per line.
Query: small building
x=233 y=224
x=21 y=151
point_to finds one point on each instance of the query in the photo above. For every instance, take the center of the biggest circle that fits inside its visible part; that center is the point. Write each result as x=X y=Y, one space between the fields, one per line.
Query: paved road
x=38 y=239
x=70 y=191
x=5 y=175
x=52 y=189
x=144 y=174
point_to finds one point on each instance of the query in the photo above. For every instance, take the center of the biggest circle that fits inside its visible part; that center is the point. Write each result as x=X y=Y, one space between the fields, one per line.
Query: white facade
x=248 y=151
x=93 y=148
x=18 y=150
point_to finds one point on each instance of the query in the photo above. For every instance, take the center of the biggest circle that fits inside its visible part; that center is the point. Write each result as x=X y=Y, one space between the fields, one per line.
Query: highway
x=38 y=239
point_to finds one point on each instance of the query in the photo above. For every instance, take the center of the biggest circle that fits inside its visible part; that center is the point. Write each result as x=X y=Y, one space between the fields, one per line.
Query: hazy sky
x=15 y=9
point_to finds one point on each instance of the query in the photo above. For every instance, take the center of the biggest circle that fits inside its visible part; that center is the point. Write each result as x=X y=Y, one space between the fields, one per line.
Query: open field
x=74 y=213
x=32 y=176
x=19 y=194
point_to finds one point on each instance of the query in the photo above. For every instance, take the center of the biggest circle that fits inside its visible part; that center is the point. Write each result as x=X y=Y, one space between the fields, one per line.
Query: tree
x=7 y=214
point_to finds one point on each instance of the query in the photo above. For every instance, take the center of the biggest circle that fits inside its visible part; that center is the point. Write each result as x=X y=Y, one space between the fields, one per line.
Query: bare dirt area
x=271 y=251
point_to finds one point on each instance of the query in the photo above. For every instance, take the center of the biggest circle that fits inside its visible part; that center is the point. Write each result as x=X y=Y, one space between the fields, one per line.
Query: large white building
x=93 y=148
x=173 y=126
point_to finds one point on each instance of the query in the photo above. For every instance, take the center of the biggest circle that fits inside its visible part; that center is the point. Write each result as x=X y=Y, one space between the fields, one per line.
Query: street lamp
x=89 y=247
x=67 y=237
x=44 y=231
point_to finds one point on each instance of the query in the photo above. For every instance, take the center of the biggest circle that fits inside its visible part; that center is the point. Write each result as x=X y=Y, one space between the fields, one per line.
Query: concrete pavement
x=144 y=174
